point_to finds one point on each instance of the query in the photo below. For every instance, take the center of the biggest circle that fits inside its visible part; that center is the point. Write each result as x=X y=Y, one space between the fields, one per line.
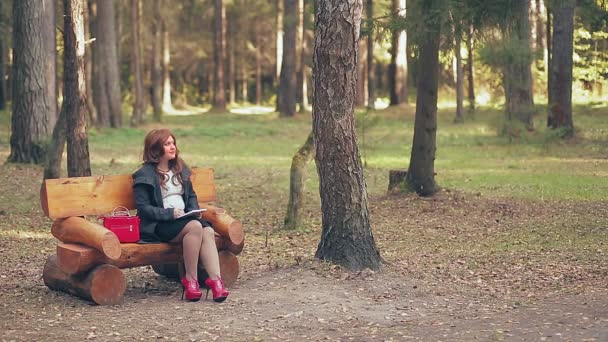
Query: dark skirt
x=168 y=230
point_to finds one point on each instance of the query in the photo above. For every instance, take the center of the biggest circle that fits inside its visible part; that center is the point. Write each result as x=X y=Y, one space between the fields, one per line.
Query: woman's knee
x=208 y=233
x=194 y=227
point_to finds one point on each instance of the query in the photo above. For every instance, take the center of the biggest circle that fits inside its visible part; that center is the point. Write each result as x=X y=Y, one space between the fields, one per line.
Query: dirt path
x=300 y=303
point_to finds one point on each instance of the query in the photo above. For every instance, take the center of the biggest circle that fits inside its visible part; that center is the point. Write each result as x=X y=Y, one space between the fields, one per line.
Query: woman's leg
x=208 y=253
x=190 y=237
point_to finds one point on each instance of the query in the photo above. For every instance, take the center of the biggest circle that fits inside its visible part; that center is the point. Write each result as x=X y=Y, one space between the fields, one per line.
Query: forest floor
x=458 y=267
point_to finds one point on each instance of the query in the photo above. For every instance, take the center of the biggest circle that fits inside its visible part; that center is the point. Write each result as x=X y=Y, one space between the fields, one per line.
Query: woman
x=163 y=192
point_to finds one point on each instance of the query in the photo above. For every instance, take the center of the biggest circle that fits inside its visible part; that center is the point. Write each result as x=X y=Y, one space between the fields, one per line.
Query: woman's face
x=169 y=149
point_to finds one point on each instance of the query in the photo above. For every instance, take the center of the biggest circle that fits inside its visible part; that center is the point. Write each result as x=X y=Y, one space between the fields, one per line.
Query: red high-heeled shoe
x=191 y=290
x=217 y=288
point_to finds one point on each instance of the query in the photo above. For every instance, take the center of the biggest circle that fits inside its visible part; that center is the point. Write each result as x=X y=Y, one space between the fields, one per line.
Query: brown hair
x=154 y=149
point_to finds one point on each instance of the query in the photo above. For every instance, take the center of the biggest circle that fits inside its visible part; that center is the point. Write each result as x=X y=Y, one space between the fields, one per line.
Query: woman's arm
x=145 y=209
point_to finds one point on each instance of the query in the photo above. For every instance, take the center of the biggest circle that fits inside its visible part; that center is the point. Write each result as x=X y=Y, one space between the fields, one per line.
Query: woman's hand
x=177 y=212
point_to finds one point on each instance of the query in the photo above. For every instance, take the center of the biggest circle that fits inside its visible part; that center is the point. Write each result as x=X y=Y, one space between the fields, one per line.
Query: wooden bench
x=89 y=257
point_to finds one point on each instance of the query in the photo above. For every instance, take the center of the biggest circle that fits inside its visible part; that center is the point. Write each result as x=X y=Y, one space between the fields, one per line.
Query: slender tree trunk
x=50 y=47
x=258 y=70
x=560 y=88
x=106 y=76
x=90 y=7
x=517 y=75
x=459 y=75
x=231 y=67
x=31 y=98
x=361 y=76
x=347 y=237
x=3 y=90
x=137 y=117
x=280 y=10
x=157 y=78
x=167 y=105
x=75 y=90
x=549 y=51
x=245 y=85
x=470 y=70
x=397 y=69
x=421 y=172
x=371 y=75
x=52 y=168
x=296 y=182
x=402 y=71
x=286 y=99
x=300 y=47
x=219 y=53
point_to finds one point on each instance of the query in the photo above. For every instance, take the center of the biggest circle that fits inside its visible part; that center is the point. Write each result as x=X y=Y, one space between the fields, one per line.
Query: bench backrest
x=79 y=196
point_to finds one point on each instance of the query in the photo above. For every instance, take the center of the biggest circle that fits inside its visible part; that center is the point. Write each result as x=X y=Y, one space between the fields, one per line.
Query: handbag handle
x=117 y=212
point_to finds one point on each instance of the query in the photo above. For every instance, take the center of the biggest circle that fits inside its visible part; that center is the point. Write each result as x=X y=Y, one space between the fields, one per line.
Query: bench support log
x=104 y=285
x=80 y=230
x=224 y=224
x=229 y=269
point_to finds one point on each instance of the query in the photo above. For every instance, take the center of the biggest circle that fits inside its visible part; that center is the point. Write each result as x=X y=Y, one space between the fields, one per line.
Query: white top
x=172 y=194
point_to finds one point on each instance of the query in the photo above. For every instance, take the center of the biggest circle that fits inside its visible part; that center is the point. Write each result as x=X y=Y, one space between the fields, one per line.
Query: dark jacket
x=149 y=200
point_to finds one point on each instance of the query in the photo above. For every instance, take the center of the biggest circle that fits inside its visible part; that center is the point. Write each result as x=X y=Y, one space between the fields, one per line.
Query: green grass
x=470 y=156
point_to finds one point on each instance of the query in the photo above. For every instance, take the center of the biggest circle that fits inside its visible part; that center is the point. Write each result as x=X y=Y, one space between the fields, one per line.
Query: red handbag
x=123 y=224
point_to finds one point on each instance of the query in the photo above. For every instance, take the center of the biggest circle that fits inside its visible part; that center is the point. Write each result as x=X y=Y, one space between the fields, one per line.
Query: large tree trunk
x=347 y=237
x=421 y=172
x=167 y=105
x=470 y=69
x=371 y=75
x=157 y=80
x=50 y=47
x=219 y=53
x=75 y=97
x=31 y=98
x=286 y=99
x=459 y=74
x=560 y=88
x=296 y=182
x=517 y=75
x=137 y=117
x=106 y=77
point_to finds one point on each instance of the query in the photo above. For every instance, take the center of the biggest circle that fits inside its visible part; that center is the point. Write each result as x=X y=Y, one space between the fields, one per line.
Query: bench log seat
x=89 y=257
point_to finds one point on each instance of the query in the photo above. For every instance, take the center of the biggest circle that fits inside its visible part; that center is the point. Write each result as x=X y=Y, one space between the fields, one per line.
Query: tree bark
x=517 y=74
x=296 y=182
x=231 y=66
x=347 y=237
x=286 y=99
x=106 y=77
x=219 y=53
x=421 y=172
x=157 y=81
x=560 y=88
x=361 y=74
x=3 y=60
x=371 y=75
x=31 y=98
x=137 y=117
x=88 y=61
x=75 y=97
x=549 y=51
